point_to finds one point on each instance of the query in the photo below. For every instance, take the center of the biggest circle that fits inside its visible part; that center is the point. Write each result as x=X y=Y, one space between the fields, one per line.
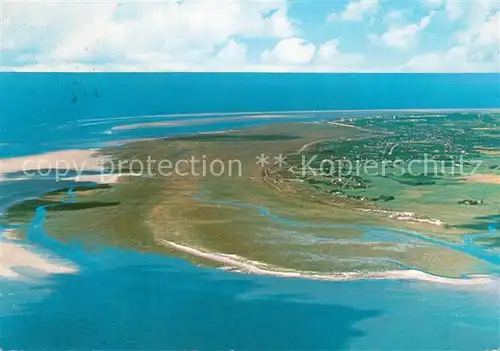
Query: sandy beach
x=246 y=266
x=61 y=162
x=19 y=254
x=13 y=254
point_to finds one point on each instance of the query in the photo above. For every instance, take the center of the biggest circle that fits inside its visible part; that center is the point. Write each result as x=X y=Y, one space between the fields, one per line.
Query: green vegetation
x=427 y=165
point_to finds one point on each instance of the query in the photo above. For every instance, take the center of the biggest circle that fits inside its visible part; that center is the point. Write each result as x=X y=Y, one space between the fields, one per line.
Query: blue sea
x=122 y=300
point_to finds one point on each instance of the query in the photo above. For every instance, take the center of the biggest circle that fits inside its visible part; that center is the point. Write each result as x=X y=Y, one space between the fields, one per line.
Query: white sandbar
x=252 y=267
x=78 y=160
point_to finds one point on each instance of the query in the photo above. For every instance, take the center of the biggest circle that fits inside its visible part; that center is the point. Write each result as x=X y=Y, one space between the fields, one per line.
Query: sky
x=251 y=35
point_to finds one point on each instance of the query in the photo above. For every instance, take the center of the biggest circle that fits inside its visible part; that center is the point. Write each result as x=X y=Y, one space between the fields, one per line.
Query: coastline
x=17 y=253
x=14 y=254
x=198 y=121
x=74 y=159
x=89 y=160
x=242 y=265
x=61 y=162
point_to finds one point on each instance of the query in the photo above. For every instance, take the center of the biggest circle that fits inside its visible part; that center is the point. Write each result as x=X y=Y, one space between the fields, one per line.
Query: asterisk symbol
x=262 y=160
x=280 y=160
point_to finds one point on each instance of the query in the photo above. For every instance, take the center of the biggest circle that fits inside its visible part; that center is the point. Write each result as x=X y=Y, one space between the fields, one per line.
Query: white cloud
x=295 y=51
x=483 y=32
x=458 y=59
x=475 y=47
x=233 y=52
x=207 y=35
x=403 y=36
x=328 y=50
x=329 y=56
x=489 y=32
x=481 y=37
x=394 y=16
x=43 y=25
x=136 y=32
x=454 y=9
x=356 y=10
x=289 y=55
x=433 y=3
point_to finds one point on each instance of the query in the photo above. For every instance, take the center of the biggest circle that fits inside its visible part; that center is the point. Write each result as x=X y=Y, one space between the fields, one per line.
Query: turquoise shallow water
x=124 y=300
x=138 y=302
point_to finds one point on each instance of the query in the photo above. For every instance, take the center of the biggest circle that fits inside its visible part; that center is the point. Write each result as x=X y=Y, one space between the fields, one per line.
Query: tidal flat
x=283 y=207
